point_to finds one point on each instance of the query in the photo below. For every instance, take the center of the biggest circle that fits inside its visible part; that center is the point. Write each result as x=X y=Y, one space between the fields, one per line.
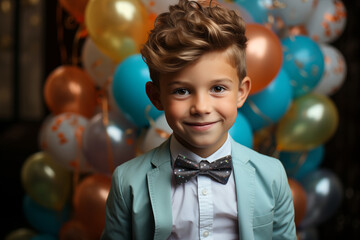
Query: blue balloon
x=128 y=88
x=258 y=9
x=298 y=164
x=241 y=131
x=45 y=220
x=269 y=106
x=303 y=62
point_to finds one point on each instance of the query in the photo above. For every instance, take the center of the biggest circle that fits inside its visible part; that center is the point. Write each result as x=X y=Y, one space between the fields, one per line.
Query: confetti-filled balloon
x=63 y=140
x=294 y=12
x=303 y=62
x=334 y=73
x=327 y=22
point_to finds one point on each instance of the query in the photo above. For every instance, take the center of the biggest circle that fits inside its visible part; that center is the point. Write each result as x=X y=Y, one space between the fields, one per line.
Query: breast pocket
x=263 y=226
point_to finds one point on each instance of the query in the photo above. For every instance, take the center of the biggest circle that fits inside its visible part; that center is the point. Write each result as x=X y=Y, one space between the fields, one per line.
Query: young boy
x=199 y=184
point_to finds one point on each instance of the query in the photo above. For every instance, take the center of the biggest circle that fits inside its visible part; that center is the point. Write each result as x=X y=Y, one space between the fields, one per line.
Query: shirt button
x=204 y=192
x=206 y=234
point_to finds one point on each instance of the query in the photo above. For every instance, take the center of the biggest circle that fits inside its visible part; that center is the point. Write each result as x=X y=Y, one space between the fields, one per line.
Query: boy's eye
x=181 y=91
x=218 y=89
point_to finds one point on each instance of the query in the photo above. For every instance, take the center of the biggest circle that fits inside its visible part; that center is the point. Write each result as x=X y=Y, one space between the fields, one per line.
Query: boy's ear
x=153 y=93
x=244 y=90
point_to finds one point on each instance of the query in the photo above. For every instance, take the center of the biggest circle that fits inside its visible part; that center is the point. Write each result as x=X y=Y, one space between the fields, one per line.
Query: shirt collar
x=177 y=148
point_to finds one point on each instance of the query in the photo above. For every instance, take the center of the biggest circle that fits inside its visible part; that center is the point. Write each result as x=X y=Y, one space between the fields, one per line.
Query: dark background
x=19 y=139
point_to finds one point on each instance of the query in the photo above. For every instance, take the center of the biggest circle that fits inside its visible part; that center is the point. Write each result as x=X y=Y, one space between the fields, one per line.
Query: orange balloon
x=70 y=89
x=89 y=203
x=299 y=198
x=263 y=56
x=73 y=230
x=75 y=7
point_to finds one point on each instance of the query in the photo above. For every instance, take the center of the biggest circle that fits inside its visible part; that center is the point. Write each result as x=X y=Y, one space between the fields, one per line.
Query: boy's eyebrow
x=213 y=81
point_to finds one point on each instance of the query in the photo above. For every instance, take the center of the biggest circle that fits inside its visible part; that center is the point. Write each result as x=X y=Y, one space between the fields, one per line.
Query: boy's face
x=201 y=102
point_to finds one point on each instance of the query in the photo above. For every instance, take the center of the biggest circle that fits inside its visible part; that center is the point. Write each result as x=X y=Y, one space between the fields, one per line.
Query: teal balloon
x=128 y=89
x=241 y=131
x=303 y=62
x=258 y=9
x=299 y=164
x=44 y=220
x=269 y=106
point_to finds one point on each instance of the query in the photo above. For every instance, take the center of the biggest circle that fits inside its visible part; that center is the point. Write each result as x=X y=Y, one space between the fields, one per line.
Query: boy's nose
x=200 y=105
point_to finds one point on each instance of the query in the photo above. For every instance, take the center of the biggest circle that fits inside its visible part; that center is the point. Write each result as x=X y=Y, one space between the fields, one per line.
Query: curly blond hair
x=189 y=30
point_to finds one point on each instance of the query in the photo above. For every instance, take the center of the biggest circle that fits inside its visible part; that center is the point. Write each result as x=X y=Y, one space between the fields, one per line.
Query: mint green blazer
x=139 y=202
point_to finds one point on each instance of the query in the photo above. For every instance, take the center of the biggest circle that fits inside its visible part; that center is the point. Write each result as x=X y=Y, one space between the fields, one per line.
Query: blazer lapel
x=244 y=175
x=159 y=185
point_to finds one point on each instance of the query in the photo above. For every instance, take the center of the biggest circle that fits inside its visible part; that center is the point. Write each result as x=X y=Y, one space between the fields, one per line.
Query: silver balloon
x=107 y=143
x=324 y=194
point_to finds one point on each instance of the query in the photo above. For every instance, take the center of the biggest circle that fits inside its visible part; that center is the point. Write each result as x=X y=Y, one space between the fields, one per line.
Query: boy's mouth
x=200 y=126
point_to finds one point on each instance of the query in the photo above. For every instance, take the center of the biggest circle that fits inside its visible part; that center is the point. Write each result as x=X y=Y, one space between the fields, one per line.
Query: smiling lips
x=201 y=126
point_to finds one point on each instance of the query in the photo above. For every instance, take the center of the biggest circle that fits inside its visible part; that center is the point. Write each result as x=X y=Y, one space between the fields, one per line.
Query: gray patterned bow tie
x=185 y=168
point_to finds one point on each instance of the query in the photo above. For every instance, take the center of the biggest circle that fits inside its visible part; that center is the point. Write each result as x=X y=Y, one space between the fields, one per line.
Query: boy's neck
x=202 y=152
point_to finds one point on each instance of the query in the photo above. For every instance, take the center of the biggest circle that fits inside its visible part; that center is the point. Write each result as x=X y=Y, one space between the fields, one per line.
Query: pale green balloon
x=311 y=120
x=45 y=181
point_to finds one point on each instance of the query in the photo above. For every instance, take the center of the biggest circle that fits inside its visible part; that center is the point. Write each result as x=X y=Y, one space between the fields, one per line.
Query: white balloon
x=334 y=71
x=294 y=12
x=156 y=134
x=327 y=22
x=98 y=65
x=62 y=140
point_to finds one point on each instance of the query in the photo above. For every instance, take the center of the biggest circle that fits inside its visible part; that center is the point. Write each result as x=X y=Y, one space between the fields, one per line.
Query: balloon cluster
x=101 y=116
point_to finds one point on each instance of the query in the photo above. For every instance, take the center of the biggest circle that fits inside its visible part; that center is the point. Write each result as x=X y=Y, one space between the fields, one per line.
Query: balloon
x=118 y=27
x=156 y=134
x=158 y=6
x=299 y=198
x=244 y=14
x=70 y=89
x=263 y=56
x=63 y=141
x=73 y=230
x=105 y=139
x=241 y=131
x=298 y=164
x=45 y=181
x=20 y=234
x=89 y=203
x=269 y=105
x=42 y=219
x=259 y=9
x=310 y=233
x=128 y=89
x=98 y=65
x=75 y=7
x=303 y=62
x=335 y=71
x=324 y=193
x=311 y=120
x=327 y=22
x=265 y=142
x=295 y=12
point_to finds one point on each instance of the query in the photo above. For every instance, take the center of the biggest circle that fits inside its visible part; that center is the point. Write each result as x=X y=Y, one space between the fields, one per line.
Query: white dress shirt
x=203 y=208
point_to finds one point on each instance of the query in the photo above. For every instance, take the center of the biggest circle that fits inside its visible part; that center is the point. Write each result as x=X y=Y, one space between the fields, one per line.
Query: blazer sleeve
x=284 y=225
x=117 y=213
